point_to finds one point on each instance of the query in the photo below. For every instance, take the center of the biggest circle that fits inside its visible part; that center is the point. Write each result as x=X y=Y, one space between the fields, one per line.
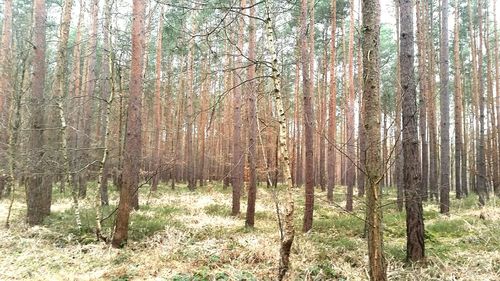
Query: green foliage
x=345 y=244
x=349 y=225
x=396 y=251
x=218 y=210
x=447 y=228
x=394 y=225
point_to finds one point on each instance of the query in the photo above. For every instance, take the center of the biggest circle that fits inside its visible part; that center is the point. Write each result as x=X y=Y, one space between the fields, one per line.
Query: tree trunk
x=431 y=109
x=38 y=192
x=6 y=58
x=60 y=98
x=445 y=113
x=497 y=106
x=252 y=120
x=412 y=179
x=238 y=160
x=133 y=142
x=157 y=105
x=374 y=172
x=350 y=136
x=288 y=231
x=332 y=110
x=308 y=121
x=481 y=177
x=458 y=106
x=398 y=169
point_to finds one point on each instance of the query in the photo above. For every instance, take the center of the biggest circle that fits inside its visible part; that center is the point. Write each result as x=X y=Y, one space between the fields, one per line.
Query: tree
x=38 y=191
x=398 y=169
x=238 y=160
x=288 y=230
x=411 y=166
x=5 y=56
x=480 y=144
x=133 y=141
x=252 y=120
x=332 y=110
x=445 y=113
x=190 y=115
x=308 y=121
x=157 y=105
x=423 y=95
x=60 y=95
x=350 y=133
x=458 y=106
x=373 y=165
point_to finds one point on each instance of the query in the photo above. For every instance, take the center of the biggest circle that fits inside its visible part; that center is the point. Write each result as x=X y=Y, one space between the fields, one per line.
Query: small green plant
x=447 y=228
x=217 y=210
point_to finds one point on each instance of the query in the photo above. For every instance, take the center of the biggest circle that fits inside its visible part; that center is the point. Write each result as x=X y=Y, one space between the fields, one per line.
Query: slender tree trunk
x=133 y=142
x=493 y=155
x=308 y=121
x=412 y=180
x=350 y=141
x=288 y=231
x=399 y=160
x=6 y=58
x=475 y=102
x=423 y=96
x=371 y=97
x=89 y=104
x=458 y=106
x=252 y=120
x=445 y=113
x=190 y=118
x=238 y=160
x=481 y=177
x=322 y=109
x=60 y=98
x=332 y=110
x=157 y=105
x=497 y=106
x=361 y=177
x=36 y=187
x=431 y=107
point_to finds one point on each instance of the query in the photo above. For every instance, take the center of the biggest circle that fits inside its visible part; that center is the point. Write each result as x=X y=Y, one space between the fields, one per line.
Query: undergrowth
x=182 y=235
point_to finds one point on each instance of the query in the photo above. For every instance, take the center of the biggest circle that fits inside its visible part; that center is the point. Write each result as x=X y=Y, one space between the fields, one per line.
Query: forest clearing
x=249 y=140
x=184 y=235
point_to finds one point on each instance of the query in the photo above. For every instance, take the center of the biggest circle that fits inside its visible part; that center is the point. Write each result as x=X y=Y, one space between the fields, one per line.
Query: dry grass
x=182 y=235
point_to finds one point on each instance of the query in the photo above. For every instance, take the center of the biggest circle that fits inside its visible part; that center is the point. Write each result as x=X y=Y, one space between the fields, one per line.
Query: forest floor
x=183 y=235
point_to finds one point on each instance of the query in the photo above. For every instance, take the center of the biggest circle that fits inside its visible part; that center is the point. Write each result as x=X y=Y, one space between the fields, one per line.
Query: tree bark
x=444 y=203
x=6 y=57
x=157 y=105
x=133 y=141
x=238 y=160
x=350 y=141
x=288 y=231
x=308 y=121
x=412 y=177
x=399 y=160
x=332 y=106
x=481 y=177
x=252 y=126
x=374 y=172
x=38 y=192
x=458 y=106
